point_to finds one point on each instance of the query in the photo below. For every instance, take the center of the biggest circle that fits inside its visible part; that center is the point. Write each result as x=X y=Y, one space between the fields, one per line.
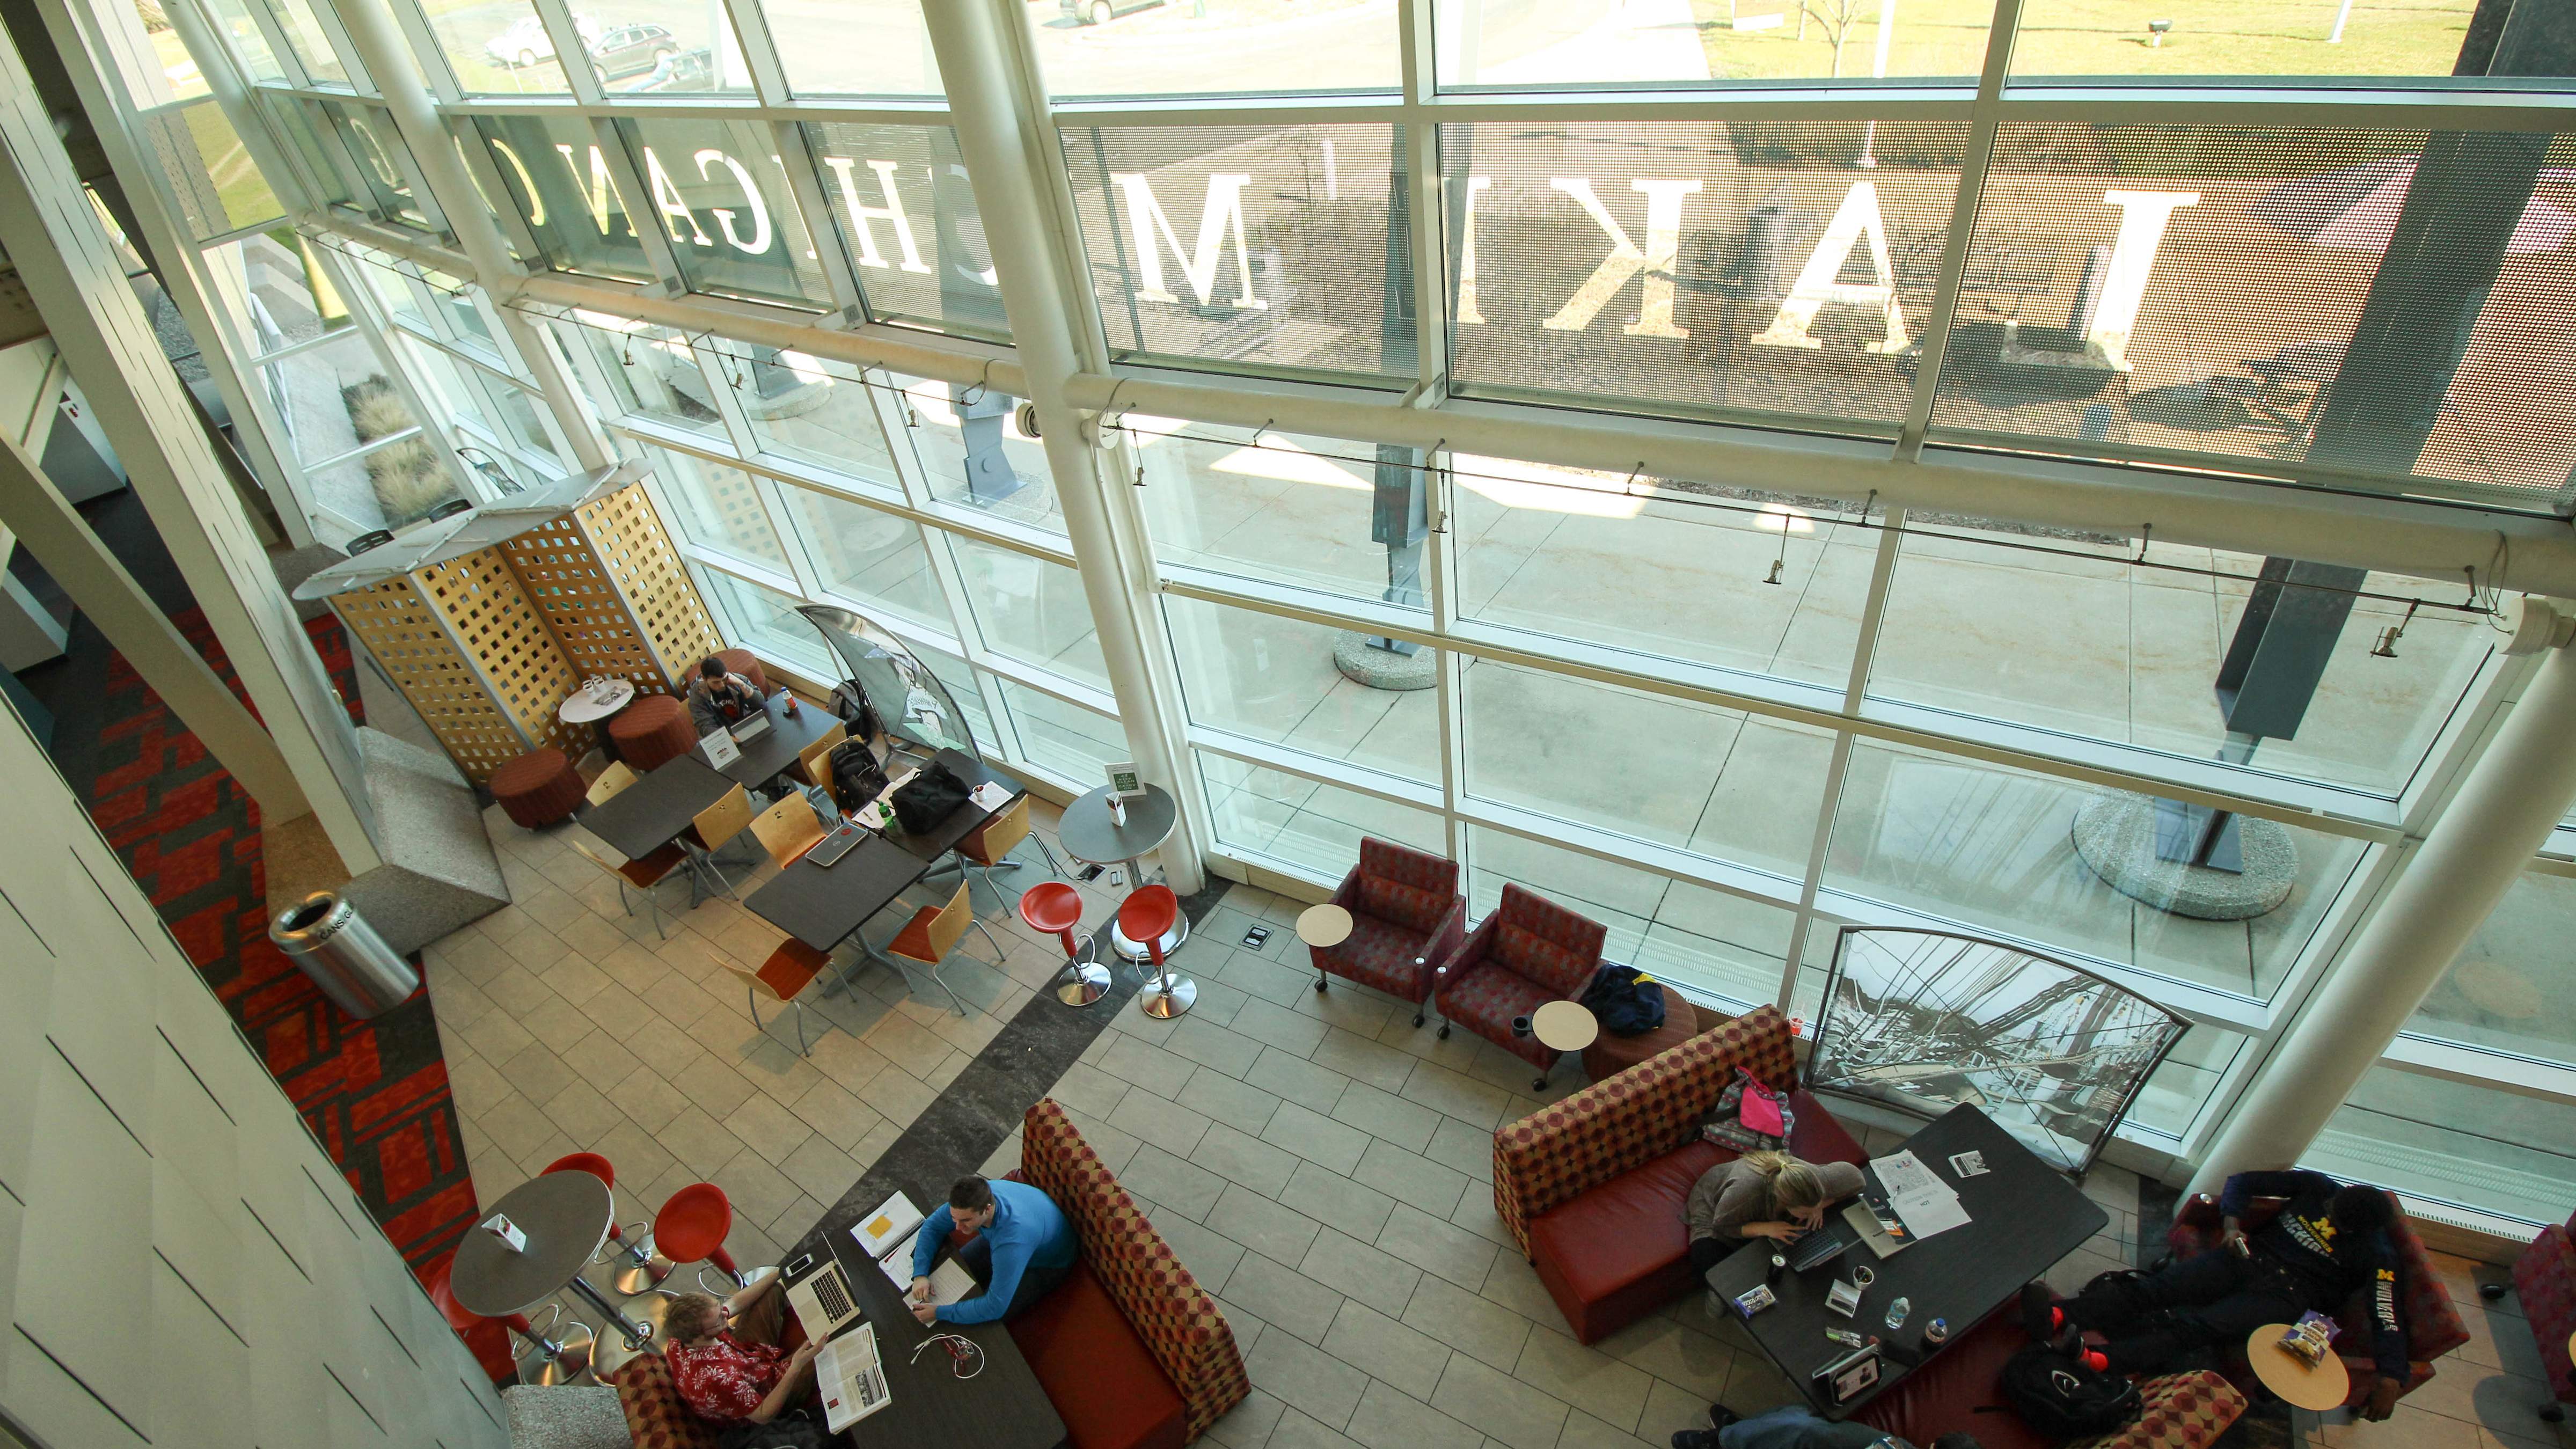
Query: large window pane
x=2508 y=991
x=961 y=679
x=496 y=47
x=1721 y=944
x=1992 y=848
x=219 y=187
x=301 y=123
x=1140 y=47
x=249 y=42
x=557 y=175
x=442 y=385
x=718 y=506
x=279 y=287
x=765 y=621
x=1276 y=679
x=722 y=196
x=1246 y=245
x=2243 y=38
x=1678 y=569
x=1311 y=826
x=874 y=558
x=1727 y=785
x=1031 y=610
x=972 y=451
x=2181 y=1086
x=1503 y=43
x=679 y=47
x=813 y=410
x=334 y=398
x=2066 y=633
x=305 y=36
x=384 y=162
x=814 y=44
x=2197 y=291
x=1294 y=509
x=1706 y=268
x=2478 y=1147
x=909 y=224
x=1077 y=744
x=651 y=371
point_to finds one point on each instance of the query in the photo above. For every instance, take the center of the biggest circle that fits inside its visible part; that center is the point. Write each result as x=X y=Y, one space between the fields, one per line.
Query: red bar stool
x=691 y=1228
x=549 y=1361
x=1056 y=908
x=641 y=1271
x=1144 y=917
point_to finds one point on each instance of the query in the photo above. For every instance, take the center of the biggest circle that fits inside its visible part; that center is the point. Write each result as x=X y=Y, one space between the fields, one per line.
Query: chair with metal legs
x=548 y=1360
x=1143 y=917
x=934 y=931
x=788 y=971
x=989 y=845
x=1056 y=908
x=716 y=827
x=639 y=1270
x=644 y=875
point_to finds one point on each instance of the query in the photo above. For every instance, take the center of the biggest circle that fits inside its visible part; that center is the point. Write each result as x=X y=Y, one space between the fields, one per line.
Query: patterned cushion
x=1642 y=1113
x=1487 y=998
x=1381 y=955
x=1399 y=904
x=1178 y=1322
x=1577 y=941
x=655 y=1413
x=1406 y=866
x=1549 y=965
x=2183 y=1411
x=2544 y=1278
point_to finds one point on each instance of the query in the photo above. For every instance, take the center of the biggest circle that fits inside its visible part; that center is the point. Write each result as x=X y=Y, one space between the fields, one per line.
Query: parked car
x=526 y=42
x=1101 y=12
x=624 y=50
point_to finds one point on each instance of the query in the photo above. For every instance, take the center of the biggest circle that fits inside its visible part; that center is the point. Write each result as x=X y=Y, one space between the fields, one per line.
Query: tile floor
x=1320 y=1164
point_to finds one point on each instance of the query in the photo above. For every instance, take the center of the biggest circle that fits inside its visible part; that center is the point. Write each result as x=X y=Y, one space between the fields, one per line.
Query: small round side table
x=2316 y=1387
x=1566 y=1026
x=1323 y=927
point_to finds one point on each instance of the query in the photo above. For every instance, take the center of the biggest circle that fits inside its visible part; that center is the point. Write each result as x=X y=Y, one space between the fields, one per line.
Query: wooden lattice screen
x=634 y=551
x=409 y=640
x=495 y=622
x=566 y=580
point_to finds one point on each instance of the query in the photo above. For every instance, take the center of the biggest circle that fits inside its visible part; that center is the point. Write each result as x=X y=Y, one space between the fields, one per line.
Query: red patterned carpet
x=374 y=1092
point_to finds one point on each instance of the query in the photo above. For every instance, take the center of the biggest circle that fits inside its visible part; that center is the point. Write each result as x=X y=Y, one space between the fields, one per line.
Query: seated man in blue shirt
x=1022 y=1248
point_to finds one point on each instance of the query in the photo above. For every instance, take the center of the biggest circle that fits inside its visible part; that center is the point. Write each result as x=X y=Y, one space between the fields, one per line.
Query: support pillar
x=1007 y=174
x=2480 y=845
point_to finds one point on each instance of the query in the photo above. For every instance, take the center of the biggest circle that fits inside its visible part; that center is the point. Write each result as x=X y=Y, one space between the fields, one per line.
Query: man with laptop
x=724 y=1354
x=719 y=698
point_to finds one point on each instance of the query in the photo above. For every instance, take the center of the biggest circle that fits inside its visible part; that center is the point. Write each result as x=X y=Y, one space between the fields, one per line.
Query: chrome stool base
x=559 y=1361
x=1081 y=983
x=1134 y=951
x=1167 y=996
x=634 y=1277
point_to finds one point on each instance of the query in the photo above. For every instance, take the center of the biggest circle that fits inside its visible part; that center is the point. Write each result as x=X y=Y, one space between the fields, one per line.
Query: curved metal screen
x=910 y=701
x=1925 y=1020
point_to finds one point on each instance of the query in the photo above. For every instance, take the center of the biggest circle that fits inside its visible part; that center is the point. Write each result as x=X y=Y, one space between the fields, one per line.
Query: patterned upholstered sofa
x=2544 y=1277
x=2433 y=1326
x=1957 y=1391
x=1132 y=1352
x=1592 y=1187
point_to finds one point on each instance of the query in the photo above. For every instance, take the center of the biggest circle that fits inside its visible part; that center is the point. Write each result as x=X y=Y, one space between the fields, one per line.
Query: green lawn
x=2092 y=37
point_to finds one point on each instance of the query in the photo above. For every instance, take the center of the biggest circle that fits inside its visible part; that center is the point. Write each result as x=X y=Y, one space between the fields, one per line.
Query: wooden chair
x=787 y=830
x=934 y=931
x=642 y=874
x=715 y=828
x=991 y=843
x=611 y=780
x=813 y=764
x=788 y=971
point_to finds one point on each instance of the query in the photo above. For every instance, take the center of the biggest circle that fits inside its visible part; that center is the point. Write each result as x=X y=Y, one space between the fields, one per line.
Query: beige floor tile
x=1362 y=1273
x=701 y=1143
x=1291 y=1076
x=1411 y=1178
x=1263 y=1225
x=1387 y=1351
x=821 y=1169
x=1355 y=1055
x=1151 y=1119
x=649 y=1099
x=1238 y=1157
x=1330 y=1198
x=842 y=1119
x=1307 y=1379
x=1285 y=1299
x=1470 y=1101
x=1498 y=1404
x=1437 y=1246
x=1587 y=1378
x=767 y=1128
x=1468 y=1323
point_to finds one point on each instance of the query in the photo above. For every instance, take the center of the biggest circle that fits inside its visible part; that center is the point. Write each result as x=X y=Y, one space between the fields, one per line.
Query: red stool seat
x=739 y=661
x=594 y=1164
x=1053 y=907
x=654 y=730
x=1147 y=914
x=538 y=788
x=488 y=1338
x=693 y=1225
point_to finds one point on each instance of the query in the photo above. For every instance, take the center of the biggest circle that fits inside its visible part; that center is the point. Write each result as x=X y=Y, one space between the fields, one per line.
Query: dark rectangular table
x=651 y=813
x=775 y=749
x=1001 y=1407
x=2023 y=1215
x=821 y=905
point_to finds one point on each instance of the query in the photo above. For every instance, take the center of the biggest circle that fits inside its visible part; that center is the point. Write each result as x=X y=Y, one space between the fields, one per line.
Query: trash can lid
x=317 y=918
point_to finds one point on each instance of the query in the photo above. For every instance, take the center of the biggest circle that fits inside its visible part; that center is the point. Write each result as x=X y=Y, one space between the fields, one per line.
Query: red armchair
x=1406 y=913
x=2545 y=1278
x=2433 y=1326
x=1529 y=952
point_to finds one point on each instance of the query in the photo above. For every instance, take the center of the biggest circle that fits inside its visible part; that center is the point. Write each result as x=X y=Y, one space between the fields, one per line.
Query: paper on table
x=1925 y=1203
x=989 y=797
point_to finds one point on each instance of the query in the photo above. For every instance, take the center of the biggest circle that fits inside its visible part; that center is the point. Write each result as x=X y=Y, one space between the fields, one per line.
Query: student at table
x=718 y=698
x=724 y=1355
x=1798 y=1427
x=1761 y=1195
x=1022 y=1248
x=2329 y=1242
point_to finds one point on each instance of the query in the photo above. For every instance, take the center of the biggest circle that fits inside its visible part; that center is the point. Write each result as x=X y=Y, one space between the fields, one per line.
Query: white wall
x=179 y=1262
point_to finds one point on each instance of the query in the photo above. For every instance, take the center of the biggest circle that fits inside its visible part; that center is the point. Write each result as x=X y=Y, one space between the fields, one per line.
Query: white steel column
x=2513 y=797
x=380 y=46
x=998 y=141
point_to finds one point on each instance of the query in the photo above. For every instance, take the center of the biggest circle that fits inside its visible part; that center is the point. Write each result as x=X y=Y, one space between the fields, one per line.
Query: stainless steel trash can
x=330 y=942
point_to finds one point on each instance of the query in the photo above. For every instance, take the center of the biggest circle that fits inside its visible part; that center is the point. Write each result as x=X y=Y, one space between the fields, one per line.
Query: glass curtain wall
x=1725 y=717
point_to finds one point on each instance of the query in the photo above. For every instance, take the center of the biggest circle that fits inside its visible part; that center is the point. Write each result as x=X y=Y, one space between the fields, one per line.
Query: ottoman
x=739 y=661
x=537 y=789
x=654 y=730
x=1610 y=1055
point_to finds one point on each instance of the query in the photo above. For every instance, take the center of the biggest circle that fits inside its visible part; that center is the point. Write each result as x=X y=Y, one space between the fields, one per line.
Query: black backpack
x=857 y=778
x=1625 y=1000
x=2057 y=1395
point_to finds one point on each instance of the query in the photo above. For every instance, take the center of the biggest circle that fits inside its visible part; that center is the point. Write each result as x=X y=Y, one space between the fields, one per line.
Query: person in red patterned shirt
x=724 y=1355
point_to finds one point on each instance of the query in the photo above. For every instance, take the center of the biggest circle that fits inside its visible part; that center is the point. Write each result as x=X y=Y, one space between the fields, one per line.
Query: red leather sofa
x=2433 y=1326
x=1592 y=1187
x=1956 y=1391
x=2544 y=1277
x=1132 y=1352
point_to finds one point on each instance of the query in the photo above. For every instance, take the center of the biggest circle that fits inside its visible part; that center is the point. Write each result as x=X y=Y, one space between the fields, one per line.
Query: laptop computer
x=823 y=1302
x=750 y=729
x=835 y=845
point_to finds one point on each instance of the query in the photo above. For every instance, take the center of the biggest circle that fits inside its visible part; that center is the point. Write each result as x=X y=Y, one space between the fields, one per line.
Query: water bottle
x=1896 y=1312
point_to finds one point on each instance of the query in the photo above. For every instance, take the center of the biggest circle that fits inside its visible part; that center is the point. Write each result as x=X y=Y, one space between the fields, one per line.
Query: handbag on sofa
x=1749 y=1117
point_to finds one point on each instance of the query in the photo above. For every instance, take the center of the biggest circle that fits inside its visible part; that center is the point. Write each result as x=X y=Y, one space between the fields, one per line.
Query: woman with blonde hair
x=1761 y=1195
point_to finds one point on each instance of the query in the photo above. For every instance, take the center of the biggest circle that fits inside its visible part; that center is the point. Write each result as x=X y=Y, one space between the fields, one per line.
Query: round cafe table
x=1090 y=835
x=565 y=1216
x=2316 y=1387
x=579 y=708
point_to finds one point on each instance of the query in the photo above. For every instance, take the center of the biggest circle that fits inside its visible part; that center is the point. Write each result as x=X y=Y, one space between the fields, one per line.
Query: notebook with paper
x=851 y=1378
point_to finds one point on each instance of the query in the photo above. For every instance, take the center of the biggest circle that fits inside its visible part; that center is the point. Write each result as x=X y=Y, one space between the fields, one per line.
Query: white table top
x=1566 y=1026
x=580 y=708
